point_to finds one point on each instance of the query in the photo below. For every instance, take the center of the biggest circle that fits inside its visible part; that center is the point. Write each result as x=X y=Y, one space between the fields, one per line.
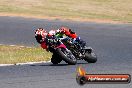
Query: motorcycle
x=60 y=51
x=80 y=51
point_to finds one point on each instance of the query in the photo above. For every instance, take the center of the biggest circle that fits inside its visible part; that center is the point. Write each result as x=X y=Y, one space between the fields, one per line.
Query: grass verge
x=17 y=54
x=106 y=10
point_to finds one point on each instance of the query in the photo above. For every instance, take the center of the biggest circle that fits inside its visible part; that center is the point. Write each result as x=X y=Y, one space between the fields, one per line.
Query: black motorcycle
x=80 y=50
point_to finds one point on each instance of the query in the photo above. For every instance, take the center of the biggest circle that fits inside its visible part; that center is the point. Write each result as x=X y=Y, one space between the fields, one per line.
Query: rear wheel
x=90 y=57
x=67 y=56
x=55 y=59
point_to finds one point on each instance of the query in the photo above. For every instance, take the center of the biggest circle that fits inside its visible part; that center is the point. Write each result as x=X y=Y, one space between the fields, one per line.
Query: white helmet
x=40 y=35
x=40 y=31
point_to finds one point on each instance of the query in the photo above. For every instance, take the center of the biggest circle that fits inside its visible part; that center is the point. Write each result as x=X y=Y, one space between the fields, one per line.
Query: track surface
x=112 y=43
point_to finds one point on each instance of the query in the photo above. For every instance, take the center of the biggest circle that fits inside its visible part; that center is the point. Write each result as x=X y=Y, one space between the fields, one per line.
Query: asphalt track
x=112 y=43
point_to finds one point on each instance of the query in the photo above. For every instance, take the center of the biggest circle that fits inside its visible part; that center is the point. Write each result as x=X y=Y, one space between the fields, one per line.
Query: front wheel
x=67 y=56
x=90 y=57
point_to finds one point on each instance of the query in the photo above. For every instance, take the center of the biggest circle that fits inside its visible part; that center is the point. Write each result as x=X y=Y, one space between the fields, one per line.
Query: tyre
x=67 y=56
x=55 y=59
x=90 y=57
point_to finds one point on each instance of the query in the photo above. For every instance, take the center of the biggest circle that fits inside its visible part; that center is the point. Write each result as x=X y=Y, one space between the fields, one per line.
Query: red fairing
x=73 y=35
x=67 y=33
x=43 y=45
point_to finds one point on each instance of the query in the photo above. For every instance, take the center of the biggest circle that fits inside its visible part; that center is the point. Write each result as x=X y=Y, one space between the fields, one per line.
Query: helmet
x=41 y=32
x=40 y=35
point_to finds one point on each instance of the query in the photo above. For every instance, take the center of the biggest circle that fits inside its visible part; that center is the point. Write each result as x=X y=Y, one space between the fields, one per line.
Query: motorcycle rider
x=41 y=34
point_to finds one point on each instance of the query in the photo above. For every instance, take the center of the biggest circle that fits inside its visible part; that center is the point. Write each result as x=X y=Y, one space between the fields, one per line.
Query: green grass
x=115 y=10
x=17 y=54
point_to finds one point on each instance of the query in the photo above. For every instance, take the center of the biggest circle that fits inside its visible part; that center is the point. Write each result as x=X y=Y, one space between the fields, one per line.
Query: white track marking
x=27 y=63
x=31 y=63
x=6 y=65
